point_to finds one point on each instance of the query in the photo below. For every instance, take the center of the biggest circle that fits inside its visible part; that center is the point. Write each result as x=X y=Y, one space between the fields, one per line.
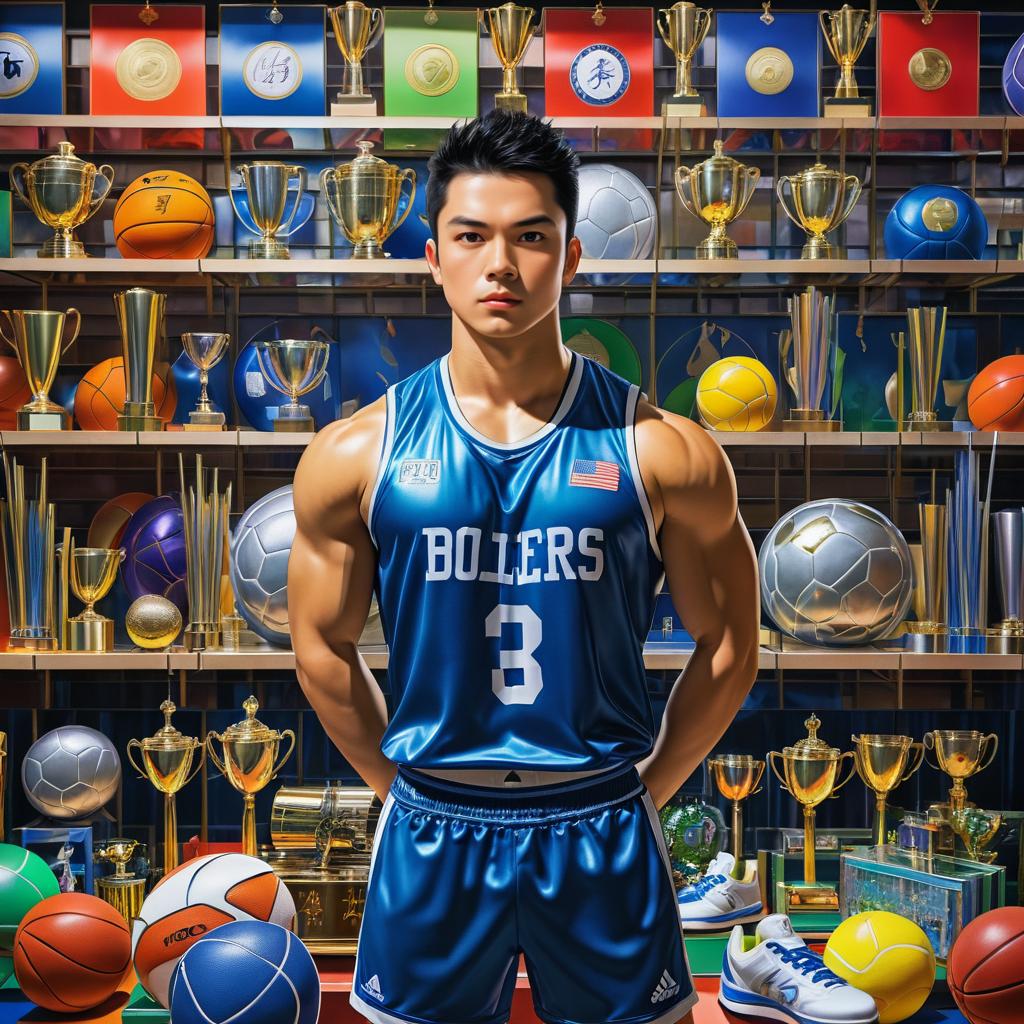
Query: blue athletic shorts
x=574 y=875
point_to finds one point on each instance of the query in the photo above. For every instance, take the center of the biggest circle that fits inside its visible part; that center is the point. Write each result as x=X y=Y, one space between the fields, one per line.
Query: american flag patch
x=595 y=473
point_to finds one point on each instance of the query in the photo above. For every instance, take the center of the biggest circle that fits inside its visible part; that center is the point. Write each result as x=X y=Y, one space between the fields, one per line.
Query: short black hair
x=504 y=142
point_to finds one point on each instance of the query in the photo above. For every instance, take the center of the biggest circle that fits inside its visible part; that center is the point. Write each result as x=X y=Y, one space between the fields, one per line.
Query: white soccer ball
x=70 y=772
x=617 y=215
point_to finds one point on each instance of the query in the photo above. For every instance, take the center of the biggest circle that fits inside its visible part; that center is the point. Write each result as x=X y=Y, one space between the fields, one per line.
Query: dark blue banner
x=31 y=58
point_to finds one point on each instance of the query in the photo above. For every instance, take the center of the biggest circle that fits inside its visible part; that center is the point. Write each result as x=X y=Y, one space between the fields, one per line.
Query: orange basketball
x=71 y=952
x=164 y=215
x=112 y=517
x=996 y=398
x=99 y=398
x=14 y=392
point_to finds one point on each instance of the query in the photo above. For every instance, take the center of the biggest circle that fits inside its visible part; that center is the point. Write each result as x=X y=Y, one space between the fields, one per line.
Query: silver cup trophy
x=205 y=351
x=294 y=367
x=267 y=184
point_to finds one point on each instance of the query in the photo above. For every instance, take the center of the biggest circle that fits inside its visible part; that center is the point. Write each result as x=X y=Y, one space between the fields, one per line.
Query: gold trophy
x=683 y=27
x=511 y=32
x=821 y=200
x=140 y=315
x=810 y=769
x=976 y=829
x=881 y=762
x=122 y=891
x=167 y=758
x=929 y=559
x=926 y=333
x=296 y=368
x=960 y=753
x=363 y=196
x=737 y=777
x=1008 y=529
x=266 y=186
x=37 y=339
x=58 y=190
x=250 y=751
x=206 y=351
x=846 y=33
x=92 y=574
x=356 y=29
x=717 y=191
x=813 y=339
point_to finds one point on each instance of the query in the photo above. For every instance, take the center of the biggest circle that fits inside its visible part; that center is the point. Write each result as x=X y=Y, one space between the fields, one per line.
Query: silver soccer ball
x=835 y=573
x=70 y=772
x=617 y=215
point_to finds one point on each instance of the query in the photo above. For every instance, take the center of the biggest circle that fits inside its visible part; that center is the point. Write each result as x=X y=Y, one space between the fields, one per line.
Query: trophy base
x=354 y=106
x=91 y=635
x=514 y=103
x=919 y=628
x=268 y=248
x=139 y=416
x=684 y=106
x=811 y=421
x=201 y=637
x=928 y=426
x=54 y=419
x=717 y=249
x=231 y=627
x=848 y=106
x=369 y=250
x=957 y=642
x=821 y=249
x=125 y=895
x=810 y=899
x=295 y=424
x=1008 y=627
x=62 y=248
x=31 y=640
x=205 y=421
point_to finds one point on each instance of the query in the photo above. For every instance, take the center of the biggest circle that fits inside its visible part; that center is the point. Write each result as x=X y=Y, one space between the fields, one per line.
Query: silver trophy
x=1008 y=529
x=266 y=184
x=294 y=367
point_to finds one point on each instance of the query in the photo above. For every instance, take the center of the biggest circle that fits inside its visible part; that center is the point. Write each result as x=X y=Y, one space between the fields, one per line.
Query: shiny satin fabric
x=516 y=582
x=576 y=876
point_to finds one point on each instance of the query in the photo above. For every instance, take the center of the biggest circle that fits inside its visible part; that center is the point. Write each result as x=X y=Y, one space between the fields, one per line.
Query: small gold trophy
x=356 y=28
x=250 y=752
x=976 y=829
x=266 y=187
x=683 y=27
x=92 y=574
x=296 y=367
x=122 y=891
x=140 y=315
x=511 y=31
x=737 y=777
x=813 y=338
x=37 y=339
x=846 y=33
x=926 y=334
x=821 y=200
x=960 y=753
x=58 y=190
x=167 y=758
x=717 y=191
x=810 y=769
x=881 y=762
x=206 y=351
x=363 y=198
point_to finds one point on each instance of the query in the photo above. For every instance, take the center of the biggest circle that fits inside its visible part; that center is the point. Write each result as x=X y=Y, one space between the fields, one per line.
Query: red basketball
x=109 y=522
x=14 y=392
x=164 y=215
x=996 y=398
x=100 y=396
x=986 y=967
x=71 y=952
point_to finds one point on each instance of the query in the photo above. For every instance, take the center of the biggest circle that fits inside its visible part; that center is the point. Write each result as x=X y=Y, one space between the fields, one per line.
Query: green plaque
x=429 y=71
x=5 y=224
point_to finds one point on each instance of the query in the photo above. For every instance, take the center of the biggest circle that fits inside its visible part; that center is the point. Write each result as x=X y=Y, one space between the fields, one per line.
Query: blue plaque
x=768 y=70
x=31 y=58
x=273 y=69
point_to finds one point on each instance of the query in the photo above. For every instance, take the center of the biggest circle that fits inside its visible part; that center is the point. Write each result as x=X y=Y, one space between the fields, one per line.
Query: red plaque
x=928 y=70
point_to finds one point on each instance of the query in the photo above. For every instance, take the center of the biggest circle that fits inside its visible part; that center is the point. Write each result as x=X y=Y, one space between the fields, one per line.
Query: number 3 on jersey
x=517 y=657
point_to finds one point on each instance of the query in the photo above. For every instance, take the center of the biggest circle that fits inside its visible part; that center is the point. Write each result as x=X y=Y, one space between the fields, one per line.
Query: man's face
x=502 y=234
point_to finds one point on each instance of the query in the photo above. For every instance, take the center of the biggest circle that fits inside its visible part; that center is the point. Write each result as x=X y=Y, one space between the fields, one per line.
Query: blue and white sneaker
x=776 y=975
x=718 y=900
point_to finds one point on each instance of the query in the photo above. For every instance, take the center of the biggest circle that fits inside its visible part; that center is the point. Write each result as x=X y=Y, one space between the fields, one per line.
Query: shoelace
x=706 y=884
x=807 y=962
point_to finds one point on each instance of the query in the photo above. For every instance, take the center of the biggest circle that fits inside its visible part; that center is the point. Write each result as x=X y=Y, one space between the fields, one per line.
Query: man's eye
x=466 y=234
x=538 y=237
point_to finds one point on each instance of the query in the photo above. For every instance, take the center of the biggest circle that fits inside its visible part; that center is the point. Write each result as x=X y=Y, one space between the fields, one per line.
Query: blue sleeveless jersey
x=516 y=582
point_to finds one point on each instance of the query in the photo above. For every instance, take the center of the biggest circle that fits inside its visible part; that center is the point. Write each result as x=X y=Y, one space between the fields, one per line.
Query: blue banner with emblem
x=768 y=70
x=31 y=58
x=268 y=68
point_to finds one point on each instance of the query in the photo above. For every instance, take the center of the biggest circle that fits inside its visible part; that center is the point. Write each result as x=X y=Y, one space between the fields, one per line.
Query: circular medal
x=929 y=69
x=19 y=66
x=272 y=70
x=148 y=69
x=603 y=342
x=769 y=70
x=432 y=70
x=940 y=214
x=599 y=74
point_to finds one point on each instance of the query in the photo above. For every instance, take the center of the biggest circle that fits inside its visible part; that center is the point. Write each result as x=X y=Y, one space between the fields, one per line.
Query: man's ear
x=573 y=255
x=433 y=261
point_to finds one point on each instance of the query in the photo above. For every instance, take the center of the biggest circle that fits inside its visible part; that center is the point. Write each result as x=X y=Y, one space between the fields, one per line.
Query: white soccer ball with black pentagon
x=835 y=573
x=70 y=772
x=616 y=216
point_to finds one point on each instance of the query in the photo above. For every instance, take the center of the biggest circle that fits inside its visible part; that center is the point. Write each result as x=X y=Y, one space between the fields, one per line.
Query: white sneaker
x=718 y=900
x=776 y=975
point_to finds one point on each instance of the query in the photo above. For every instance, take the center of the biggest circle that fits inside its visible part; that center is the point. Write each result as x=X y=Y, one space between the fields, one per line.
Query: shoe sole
x=778 y=1013
x=723 y=924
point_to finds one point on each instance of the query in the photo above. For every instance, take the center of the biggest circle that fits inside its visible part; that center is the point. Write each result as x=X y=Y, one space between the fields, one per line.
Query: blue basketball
x=248 y=972
x=1013 y=77
x=935 y=222
x=154 y=545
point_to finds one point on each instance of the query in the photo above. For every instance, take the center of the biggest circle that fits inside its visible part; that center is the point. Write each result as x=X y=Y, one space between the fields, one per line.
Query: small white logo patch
x=420 y=471
x=667 y=988
x=373 y=987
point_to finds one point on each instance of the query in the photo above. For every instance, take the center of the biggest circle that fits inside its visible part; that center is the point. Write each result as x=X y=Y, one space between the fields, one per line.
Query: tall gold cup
x=960 y=753
x=930 y=571
x=813 y=338
x=821 y=199
x=926 y=333
x=250 y=752
x=140 y=315
x=737 y=777
x=167 y=758
x=683 y=27
x=846 y=33
x=93 y=571
x=881 y=762
x=356 y=28
x=36 y=335
x=511 y=31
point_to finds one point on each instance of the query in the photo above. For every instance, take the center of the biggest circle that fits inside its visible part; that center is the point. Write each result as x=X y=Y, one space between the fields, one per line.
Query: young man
x=515 y=507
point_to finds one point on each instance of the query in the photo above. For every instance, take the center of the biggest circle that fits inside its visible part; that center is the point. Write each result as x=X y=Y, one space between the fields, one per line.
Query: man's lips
x=500 y=301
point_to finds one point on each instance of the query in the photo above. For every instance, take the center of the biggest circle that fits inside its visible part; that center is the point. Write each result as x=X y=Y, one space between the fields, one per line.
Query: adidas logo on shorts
x=373 y=987
x=666 y=989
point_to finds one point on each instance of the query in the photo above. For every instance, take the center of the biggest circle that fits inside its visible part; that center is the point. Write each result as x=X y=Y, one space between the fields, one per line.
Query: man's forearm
x=700 y=707
x=352 y=710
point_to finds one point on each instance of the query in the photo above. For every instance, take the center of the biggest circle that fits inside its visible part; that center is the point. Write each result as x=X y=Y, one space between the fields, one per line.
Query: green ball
x=25 y=880
x=6 y=969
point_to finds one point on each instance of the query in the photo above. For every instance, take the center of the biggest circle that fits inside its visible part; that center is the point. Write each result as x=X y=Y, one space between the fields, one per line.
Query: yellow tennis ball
x=736 y=393
x=887 y=956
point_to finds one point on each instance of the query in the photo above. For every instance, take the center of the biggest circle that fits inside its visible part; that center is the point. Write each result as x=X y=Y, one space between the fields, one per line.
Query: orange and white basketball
x=164 y=215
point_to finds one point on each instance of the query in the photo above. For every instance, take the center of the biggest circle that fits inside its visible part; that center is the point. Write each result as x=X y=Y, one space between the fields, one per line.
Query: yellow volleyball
x=737 y=393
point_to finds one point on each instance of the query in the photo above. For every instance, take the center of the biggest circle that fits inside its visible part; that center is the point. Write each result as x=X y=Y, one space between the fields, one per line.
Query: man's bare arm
x=711 y=570
x=330 y=585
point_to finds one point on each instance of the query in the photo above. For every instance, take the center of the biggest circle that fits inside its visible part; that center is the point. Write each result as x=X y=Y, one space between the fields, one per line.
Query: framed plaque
x=273 y=69
x=31 y=58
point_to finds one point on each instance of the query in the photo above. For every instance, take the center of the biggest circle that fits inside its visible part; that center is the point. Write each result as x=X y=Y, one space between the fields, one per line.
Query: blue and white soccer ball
x=1013 y=77
x=936 y=222
x=70 y=772
x=617 y=215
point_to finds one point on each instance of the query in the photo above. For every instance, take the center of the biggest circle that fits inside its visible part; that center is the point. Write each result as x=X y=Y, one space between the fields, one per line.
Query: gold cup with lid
x=819 y=200
x=58 y=189
x=167 y=761
x=250 y=762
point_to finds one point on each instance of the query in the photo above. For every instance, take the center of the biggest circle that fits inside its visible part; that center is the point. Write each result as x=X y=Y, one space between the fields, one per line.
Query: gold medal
x=769 y=70
x=929 y=69
x=432 y=70
x=940 y=214
x=148 y=69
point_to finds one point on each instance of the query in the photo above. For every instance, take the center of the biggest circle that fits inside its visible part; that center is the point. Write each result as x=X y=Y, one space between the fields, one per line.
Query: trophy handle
x=97 y=201
x=74 y=333
x=328 y=185
x=822 y=15
x=703 y=24
x=758 y=775
x=991 y=753
x=406 y=175
x=315 y=382
x=918 y=749
x=18 y=172
x=272 y=381
x=853 y=183
x=376 y=27
x=928 y=743
x=195 y=771
x=208 y=744
x=10 y=324
x=849 y=775
x=662 y=30
x=243 y=173
x=780 y=191
x=134 y=763
x=281 y=763
x=289 y=228
x=770 y=759
x=682 y=177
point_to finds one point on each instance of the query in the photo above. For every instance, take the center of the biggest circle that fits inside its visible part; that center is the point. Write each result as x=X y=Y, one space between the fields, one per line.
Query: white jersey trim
x=385 y=459
x=568 y=398
x=634 y=468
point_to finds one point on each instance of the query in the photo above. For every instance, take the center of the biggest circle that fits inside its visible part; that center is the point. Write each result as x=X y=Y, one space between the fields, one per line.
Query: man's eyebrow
x=468 y=222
